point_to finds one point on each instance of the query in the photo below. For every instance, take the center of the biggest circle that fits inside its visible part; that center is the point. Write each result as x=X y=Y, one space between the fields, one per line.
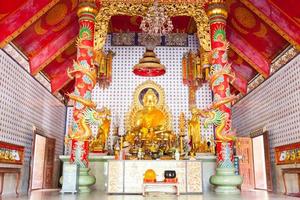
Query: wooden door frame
x=265 y=134
x=41 y=133
x=35 y=132
x=250 y=159
x=46 y=160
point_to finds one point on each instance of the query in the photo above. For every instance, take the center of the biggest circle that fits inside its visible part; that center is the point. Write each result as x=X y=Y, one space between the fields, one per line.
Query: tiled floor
x=95 y=195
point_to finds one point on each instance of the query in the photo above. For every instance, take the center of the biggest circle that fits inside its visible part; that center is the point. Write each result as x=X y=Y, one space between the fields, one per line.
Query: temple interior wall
x=119 y=95
x=274 y=105
x=25 y=103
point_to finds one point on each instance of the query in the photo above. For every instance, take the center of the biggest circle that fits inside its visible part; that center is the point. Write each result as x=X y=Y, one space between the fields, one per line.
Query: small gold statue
x=181 y=131
x=98 y=143
x=194 y=131
x=199 y=144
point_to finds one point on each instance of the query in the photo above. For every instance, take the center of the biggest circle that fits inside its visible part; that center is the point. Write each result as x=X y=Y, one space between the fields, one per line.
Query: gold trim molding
x=111 y=8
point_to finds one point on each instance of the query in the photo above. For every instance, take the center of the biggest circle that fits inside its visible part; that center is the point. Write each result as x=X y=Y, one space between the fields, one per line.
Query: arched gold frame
x=111 y=8
x=148 y=84
x=136 y=104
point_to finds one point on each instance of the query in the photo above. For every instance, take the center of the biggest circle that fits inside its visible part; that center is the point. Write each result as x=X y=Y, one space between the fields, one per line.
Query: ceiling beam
x=240 y=66
x=59 y=82
x=248 y=53
x=58 y=73
x=53 y=49
x=240 y=83
x=16 y=22
x=279 y=21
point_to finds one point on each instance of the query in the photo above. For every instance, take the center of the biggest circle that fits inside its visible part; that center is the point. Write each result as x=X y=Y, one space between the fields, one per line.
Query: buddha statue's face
x=150 y=99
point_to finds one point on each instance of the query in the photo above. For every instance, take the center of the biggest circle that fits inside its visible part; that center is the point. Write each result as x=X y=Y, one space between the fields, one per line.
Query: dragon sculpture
x=85 y=113
x=90 y=117
x=213 y=116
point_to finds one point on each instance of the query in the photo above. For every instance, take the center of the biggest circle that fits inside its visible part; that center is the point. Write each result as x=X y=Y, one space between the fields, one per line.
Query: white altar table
x=110 y=174
x=127 y=176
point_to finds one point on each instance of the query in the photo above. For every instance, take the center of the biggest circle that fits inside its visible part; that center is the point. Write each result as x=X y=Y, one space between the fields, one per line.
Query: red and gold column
x=220 y=77
x=84 y=73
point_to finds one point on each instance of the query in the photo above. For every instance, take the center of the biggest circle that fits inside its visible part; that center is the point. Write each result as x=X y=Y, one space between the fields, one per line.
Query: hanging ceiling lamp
x=149 y=65
x=154 y=25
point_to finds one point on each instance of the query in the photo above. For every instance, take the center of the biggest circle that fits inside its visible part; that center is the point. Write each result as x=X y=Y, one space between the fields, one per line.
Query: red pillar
x=84 y=73
x=225 y=180
x=220 y=79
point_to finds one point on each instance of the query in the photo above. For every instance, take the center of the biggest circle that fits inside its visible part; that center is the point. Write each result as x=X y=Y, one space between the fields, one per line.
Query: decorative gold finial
x=217 y=7
x=87 y=6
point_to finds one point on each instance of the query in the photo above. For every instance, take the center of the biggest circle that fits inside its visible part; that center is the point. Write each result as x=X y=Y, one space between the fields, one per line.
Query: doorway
x=261 y=161
x=259 y=164
x=42 y=162
x=255 y=164
x=38 y=162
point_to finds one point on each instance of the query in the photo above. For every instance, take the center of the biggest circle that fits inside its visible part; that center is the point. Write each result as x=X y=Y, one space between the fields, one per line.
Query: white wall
x=24 y=102
x=275 y=105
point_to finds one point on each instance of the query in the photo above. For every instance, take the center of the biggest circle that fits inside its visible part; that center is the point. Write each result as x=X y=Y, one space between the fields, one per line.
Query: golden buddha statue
x=148 y=123
x=150 y=116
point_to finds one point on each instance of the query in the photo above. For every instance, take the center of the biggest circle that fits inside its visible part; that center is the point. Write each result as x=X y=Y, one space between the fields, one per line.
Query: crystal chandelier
x=156 y=22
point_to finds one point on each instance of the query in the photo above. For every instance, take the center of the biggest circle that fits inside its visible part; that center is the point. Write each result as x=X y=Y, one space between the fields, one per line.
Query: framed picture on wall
x=11 y=153
x=287 y=154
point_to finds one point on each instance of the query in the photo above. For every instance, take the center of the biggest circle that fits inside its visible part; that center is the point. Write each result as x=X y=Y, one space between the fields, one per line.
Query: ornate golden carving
x=152 y=1
x=110 y=9
x=182 y=125
x=217 y=11
x=98 y=143
x=148 y=127
x=217 y=7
